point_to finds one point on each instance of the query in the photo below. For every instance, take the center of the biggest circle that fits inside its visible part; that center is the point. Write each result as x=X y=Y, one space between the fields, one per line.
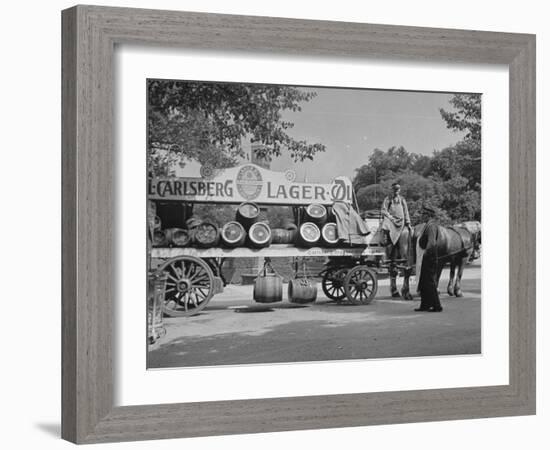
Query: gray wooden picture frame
x=89 y=37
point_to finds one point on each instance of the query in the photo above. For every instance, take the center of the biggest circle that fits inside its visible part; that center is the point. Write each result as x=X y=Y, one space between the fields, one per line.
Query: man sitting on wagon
x=396 y=215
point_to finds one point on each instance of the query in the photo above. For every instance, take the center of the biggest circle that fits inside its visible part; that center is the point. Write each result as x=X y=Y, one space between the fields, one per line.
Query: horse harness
x=463 y=244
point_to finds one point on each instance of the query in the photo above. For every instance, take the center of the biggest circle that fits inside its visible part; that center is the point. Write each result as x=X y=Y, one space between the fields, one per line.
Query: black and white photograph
x=291 y=224
x=275 y=225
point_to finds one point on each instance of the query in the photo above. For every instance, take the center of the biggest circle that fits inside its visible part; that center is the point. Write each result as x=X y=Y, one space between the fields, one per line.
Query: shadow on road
x=253 y=309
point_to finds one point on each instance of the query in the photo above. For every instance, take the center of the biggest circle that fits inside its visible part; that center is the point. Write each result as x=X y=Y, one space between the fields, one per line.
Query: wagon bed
x=273 y=251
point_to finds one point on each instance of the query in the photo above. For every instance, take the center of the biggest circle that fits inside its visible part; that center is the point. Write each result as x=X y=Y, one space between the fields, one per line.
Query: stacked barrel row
x=198 y=233
x=316 y=228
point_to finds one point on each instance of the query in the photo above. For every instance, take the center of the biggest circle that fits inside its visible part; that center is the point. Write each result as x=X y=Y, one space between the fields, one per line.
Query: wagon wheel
x=360 y=285
x=189 y=286
x=333 y=284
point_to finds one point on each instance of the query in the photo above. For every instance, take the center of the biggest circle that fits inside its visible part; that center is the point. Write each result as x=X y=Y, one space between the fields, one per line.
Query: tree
x=466 y=115
x=421 y=165
x=207 y=121
x=460 y=202
x=414 y=187
x=383 y=163
x=370 y=197
x=462 y=159
x=366 y=175
x=449 y=181
x=390 y=164
x=418 y=215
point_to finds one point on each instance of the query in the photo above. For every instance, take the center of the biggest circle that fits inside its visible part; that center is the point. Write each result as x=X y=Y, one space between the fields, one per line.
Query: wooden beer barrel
x=259 y=235
x=316 y=213
x=308 y=235
x=193 y=222
x=178 y=237
x=302 y=290
x=156 y=223
x=206 y=235
x=282 y=236
x=268 y=288
x=247 y=214
x=159 y=239
x=329 y=234
x=233 y=234
x=288 y=224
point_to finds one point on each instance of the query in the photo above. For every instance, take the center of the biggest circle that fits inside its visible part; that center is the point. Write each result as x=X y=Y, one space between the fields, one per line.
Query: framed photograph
x=256 y=210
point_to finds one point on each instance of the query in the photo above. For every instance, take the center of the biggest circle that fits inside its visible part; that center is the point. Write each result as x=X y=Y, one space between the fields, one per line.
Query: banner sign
x=249 y=182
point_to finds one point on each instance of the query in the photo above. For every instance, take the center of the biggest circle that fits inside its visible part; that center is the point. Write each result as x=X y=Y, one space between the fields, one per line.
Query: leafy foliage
x=370 y=197
x=449 y=180
x=460 y=202
x=466 y=115
x=454 y=196
x=387 y=163
x=207 y=122
x=462 y=159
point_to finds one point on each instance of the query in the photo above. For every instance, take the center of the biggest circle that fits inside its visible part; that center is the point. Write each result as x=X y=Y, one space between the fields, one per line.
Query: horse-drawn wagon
x=192 y=255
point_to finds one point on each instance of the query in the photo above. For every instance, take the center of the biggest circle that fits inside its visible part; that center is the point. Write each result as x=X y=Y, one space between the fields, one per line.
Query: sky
x=351 y=123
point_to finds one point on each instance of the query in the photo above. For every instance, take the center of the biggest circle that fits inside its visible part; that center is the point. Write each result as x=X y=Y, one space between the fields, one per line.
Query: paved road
x=235 y=330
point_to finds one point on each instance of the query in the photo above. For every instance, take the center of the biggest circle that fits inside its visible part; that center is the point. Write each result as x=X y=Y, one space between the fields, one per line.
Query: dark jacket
x=429 y=239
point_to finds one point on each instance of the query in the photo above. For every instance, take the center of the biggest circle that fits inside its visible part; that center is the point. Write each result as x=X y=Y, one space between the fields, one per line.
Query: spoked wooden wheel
x=333 y=284
x=189 y=286
x=360 y=285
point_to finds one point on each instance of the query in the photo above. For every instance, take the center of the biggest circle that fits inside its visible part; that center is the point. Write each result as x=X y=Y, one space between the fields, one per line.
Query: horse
x=455 y=245
x=474 y=227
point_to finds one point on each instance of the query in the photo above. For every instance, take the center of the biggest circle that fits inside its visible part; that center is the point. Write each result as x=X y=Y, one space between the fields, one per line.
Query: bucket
x=268 y=288
x=302 y=290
